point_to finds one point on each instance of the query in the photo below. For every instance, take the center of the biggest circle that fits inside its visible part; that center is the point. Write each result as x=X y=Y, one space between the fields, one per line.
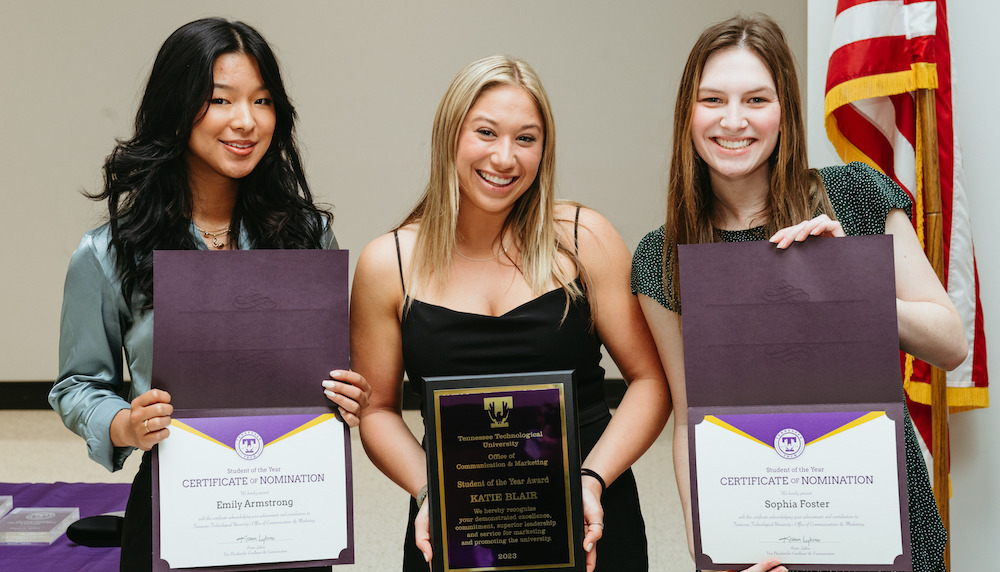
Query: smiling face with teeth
x=499 y=149
x=736 y=117
x=235 y=127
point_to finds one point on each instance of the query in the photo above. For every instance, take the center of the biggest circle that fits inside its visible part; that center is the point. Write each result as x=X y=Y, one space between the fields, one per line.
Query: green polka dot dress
x=861 y=198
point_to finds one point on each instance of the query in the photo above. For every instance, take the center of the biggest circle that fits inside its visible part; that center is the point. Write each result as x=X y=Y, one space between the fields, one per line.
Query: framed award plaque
x=504 y=473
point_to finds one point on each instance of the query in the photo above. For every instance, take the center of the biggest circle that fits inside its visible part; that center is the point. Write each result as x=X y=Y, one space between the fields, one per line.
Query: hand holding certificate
x=795 y=423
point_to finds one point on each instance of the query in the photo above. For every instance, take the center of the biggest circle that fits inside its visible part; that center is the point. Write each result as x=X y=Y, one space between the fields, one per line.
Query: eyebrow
x=754 y=90
x=494 y=123
x=227 y=86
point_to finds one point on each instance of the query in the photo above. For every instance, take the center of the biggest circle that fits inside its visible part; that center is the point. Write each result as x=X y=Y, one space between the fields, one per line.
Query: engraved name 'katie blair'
x=504 y=497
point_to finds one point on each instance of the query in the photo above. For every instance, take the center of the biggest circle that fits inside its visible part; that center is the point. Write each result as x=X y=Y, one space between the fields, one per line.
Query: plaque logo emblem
x=789 y=443
x=40 y=515
x=249 y=445
x=498 y=409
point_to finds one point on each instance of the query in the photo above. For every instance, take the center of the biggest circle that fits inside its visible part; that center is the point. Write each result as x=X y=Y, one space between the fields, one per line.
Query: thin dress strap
x=576 y=233
x=399 y=259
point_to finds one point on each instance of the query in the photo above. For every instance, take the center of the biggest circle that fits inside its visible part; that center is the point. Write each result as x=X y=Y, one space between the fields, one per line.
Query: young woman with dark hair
x=212 y=165
x=147 y=177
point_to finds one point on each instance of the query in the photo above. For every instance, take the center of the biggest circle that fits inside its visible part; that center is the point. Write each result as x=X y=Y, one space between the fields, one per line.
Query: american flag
x=881 y=52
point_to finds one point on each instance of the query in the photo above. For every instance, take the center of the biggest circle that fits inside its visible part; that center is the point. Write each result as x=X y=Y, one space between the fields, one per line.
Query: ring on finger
x=600 y=524
x=146 y=425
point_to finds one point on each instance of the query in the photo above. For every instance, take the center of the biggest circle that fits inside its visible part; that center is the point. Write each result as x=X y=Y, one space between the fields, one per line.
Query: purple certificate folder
x=258 y=459
x=248 y=328
x=795 y=414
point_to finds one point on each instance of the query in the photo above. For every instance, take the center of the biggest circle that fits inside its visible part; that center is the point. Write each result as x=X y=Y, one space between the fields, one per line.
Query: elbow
x=955 y=348
x=955 y=355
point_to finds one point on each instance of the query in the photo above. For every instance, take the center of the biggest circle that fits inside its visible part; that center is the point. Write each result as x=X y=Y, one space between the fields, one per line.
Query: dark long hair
x=146 y=179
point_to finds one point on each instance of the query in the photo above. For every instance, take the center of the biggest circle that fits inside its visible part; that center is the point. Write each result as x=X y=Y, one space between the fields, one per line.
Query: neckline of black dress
x=513 y=310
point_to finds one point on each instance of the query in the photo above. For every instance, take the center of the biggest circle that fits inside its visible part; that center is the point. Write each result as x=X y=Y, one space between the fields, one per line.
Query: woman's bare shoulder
x=590 y=227
x=386 y=248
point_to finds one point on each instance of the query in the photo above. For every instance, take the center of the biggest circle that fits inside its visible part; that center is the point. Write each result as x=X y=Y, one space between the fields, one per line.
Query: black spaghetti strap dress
x=438 y=341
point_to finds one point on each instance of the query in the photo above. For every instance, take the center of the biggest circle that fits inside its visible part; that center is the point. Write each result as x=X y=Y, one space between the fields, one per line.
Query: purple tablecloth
x=92 y=499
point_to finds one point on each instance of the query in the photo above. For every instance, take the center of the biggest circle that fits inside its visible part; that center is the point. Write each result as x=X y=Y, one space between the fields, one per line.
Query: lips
x=496 y=181
x=733 y=145
x=239 y=147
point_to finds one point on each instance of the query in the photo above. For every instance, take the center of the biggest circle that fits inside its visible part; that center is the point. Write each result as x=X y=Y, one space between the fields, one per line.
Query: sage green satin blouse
x=97 y=327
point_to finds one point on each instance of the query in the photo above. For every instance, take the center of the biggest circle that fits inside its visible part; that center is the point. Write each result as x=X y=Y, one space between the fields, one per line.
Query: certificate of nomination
x=255 y=488
x=257 y=469
x=504 y=473
x=801 y=486
x=795 y=422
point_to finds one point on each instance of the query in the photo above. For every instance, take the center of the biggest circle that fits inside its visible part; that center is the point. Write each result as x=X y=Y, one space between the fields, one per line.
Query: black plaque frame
x=500 y=556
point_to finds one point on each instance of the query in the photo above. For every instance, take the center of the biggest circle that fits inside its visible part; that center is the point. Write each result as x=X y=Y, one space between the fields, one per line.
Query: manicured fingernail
x=427 y=558
x=590 y=547
x=336 y=373
x=328 y=383
x=329 y=393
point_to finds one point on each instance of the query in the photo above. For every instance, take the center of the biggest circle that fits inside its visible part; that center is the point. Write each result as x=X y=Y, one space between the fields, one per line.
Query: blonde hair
x=530 y=222
x=796 y=191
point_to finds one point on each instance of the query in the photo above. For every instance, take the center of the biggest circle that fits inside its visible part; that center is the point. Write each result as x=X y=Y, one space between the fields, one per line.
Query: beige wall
x=366 y=77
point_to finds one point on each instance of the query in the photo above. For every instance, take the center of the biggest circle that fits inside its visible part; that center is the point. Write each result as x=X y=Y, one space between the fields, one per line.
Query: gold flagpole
x=933 y=245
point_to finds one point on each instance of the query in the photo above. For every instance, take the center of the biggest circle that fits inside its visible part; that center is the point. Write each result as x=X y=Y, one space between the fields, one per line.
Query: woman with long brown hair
x=739 y=172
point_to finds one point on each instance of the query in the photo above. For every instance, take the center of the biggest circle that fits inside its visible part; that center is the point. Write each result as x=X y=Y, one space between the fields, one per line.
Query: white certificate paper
x=809 y=486
x=254 y=489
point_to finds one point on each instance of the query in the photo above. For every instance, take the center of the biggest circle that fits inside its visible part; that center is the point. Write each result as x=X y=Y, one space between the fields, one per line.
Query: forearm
x=932 y=333
x=682 y=474
x=393 y=449
x=88 y=409
x=638 y=421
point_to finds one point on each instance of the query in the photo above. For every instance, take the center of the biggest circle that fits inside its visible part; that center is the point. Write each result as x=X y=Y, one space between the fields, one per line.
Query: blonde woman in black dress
x=489 y=274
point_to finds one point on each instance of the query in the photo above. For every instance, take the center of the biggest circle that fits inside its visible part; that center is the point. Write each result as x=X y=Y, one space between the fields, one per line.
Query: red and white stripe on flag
x=881 y=51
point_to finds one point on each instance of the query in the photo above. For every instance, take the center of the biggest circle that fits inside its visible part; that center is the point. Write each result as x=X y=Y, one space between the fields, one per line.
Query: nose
x=242 y=119
x=503 y=154
x=732 y=118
